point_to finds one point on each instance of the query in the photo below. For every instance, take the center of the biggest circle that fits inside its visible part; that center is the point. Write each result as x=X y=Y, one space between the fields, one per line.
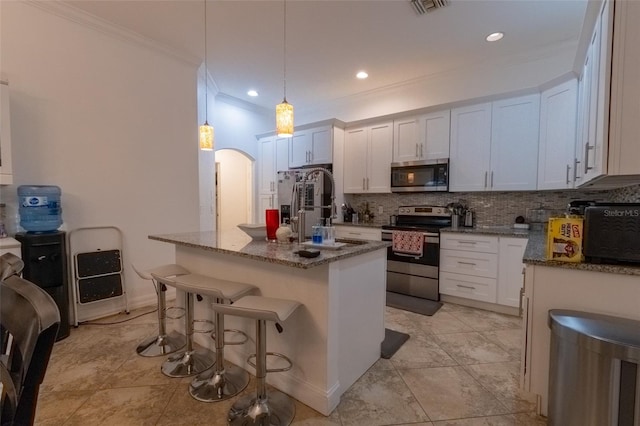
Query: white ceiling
x=329 y=41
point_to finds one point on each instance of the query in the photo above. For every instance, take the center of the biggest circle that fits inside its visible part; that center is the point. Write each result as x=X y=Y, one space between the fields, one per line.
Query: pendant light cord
x=206 y=103
x=284 y=58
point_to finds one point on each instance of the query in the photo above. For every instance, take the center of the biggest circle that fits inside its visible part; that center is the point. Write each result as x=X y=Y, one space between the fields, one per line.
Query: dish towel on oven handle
x=407 y=243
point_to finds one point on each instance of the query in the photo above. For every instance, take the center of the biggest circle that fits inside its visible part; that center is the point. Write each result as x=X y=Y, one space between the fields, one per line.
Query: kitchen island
x=332 y=339
x=598 y=288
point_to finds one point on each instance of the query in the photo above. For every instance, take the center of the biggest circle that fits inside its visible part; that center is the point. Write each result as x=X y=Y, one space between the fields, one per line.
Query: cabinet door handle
x=520 y=302
x=310 y=156
x=485 y=179
x=363 y=184
x=587 y=148
x=568 y=169
x=491 y=178
x=575 y=169
x=367 y=184
x=466 y=286
x=417 y=155
x=421 y=155
x=467 y=263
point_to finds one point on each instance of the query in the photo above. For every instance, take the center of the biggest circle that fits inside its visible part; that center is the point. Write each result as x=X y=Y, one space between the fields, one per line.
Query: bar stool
x=276 y=408
x=163 y=343
x=222 y=382
x=188 y=362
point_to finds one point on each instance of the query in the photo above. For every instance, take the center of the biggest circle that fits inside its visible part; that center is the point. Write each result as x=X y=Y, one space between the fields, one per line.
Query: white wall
x=111 y=122
x=236 y=125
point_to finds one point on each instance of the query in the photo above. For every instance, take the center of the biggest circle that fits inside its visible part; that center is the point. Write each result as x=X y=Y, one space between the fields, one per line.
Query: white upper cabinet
x=424 y=137
x=367 y=159
x=274 y=157
x=594 y=157
x=624 y=148
x=405 y=141
x=494 y=146
x=514 y=144
x=470 y=148
x=6 y=171
x=312 y=146
x=556 y=153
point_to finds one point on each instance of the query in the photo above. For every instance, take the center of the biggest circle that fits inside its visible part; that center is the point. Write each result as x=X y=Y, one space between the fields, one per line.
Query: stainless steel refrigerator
x=316 y=193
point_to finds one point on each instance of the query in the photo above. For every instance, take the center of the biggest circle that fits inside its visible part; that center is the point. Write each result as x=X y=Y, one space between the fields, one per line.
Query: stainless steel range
x=416 y=275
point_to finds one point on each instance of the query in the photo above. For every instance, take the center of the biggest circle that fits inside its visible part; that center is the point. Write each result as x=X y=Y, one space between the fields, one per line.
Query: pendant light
x=284 y=111
x=206 y=131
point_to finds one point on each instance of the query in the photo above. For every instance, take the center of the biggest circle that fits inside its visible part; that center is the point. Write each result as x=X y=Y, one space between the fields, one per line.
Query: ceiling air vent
x=423 y=6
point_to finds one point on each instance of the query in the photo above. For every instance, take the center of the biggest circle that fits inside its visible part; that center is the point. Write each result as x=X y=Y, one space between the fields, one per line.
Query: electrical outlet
x=380 y=210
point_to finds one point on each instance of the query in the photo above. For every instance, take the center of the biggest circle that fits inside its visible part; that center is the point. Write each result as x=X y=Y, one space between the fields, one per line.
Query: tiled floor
x=460 y=367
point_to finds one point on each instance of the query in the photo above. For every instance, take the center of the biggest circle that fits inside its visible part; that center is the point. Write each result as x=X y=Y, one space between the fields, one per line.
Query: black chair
x=29 y=320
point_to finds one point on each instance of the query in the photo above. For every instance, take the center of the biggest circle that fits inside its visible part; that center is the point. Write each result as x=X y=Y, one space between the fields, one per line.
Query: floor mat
x=393 y=340
x=412 y=304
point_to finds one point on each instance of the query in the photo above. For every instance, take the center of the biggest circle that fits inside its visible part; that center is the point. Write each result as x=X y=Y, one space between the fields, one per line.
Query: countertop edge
x=301 y=263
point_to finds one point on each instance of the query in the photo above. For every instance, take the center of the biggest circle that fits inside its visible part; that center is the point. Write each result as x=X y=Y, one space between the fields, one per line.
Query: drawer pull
x=467 y=242
x=467 y=263
x=354 y=233
x=466 y=286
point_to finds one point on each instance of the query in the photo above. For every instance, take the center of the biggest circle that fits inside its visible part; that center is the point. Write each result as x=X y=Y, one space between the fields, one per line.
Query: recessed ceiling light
x=494 y=36
x=252 y=93
x=362 y=75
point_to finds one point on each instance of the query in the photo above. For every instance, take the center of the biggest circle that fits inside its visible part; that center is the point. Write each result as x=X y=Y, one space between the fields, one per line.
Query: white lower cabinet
x=486 y=268
x=510 y=270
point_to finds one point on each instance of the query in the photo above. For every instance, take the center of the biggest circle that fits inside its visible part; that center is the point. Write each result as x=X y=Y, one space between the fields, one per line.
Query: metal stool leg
x=223 y=382
x=274 y=409
x=163 y=343
x=189 y=362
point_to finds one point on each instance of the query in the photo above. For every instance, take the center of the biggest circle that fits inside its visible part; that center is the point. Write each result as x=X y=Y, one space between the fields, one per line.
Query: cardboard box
x=564 y=239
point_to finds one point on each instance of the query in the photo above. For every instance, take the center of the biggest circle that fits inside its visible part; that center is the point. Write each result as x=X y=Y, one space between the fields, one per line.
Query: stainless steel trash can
x=594 y=378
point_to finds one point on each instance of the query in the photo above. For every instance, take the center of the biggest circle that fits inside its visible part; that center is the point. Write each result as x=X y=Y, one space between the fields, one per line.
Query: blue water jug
x=39 y=207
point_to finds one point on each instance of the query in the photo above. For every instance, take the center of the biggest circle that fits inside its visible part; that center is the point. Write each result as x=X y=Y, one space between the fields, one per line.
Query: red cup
x=273 y=222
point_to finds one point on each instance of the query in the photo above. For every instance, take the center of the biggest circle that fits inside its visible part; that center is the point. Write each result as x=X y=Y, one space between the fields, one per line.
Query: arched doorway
x=234 y=188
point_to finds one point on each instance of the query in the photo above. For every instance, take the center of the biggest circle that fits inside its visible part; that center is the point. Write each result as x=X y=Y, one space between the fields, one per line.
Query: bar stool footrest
x=168 y=312
x=204 y=330
x=272 y=370
x=232 y=330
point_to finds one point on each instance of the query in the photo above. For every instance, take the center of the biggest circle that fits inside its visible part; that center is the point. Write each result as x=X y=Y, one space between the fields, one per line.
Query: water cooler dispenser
x=45 y=264
x=44 y=251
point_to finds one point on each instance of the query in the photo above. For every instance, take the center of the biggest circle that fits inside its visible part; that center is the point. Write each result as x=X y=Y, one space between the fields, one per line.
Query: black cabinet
x=45 y=264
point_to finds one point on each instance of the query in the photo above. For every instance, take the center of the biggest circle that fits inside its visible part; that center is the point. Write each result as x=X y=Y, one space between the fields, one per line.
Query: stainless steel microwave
x=420 y=176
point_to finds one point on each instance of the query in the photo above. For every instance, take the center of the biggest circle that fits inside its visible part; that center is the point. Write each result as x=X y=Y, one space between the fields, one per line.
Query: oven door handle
x=408 y=255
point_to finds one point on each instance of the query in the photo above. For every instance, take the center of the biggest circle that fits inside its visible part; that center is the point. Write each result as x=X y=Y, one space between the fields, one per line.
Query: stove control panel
x=423 y=211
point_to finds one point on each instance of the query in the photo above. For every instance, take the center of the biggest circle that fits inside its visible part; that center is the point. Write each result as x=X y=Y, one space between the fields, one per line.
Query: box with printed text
x=564 y=239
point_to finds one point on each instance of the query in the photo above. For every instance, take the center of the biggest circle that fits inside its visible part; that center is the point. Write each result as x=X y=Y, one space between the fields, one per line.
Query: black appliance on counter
x=45 y=264
x=409 y=275
x=612 y=233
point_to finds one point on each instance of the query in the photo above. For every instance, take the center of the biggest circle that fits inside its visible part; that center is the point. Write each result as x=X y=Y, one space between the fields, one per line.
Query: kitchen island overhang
x=332 y=339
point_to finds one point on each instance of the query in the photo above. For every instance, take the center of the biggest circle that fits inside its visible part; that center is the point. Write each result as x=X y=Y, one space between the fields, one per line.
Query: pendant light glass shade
x=284 y=119
x=206 y=131
x=206 y=137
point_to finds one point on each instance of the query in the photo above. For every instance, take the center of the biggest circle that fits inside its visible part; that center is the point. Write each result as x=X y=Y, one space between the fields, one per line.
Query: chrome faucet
x=300 y=219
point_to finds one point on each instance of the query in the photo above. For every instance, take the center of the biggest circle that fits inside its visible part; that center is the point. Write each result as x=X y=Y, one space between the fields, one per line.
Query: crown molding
x=79 y=16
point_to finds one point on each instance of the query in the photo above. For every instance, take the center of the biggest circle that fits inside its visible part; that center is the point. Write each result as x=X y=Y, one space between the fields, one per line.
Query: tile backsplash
x=490 y=208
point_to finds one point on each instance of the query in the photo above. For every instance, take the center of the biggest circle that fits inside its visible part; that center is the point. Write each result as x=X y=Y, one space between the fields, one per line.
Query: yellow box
x=564 y=239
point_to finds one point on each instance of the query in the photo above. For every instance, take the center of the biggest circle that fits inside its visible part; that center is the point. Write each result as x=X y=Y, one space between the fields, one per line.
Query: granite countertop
x=504 y=231
x=236 y=243
x=535 y=254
